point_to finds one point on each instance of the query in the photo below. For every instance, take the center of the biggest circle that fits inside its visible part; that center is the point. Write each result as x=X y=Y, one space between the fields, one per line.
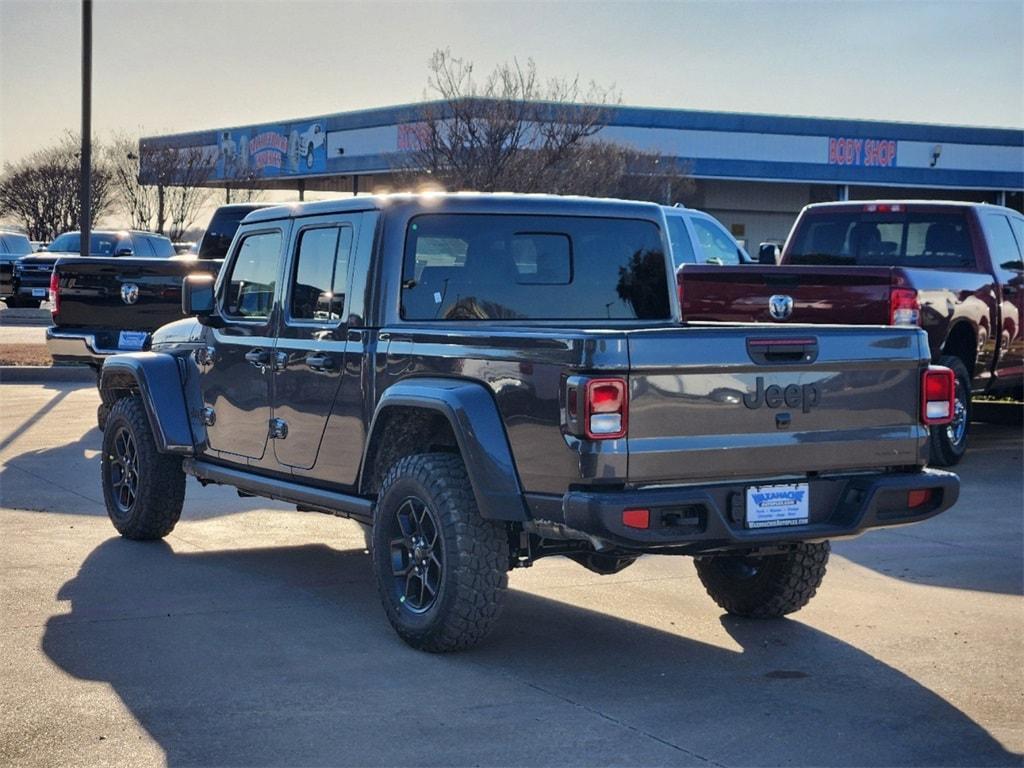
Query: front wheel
x=948 y=442
x=441 y=569
x=768 y=586
x=144 y=490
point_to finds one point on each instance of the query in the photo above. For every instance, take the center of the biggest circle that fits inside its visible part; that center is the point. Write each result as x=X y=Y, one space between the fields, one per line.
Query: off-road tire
x=765 y=587
x=160 y=489
x=943 y=450
x=102 y=414
x=474 y=552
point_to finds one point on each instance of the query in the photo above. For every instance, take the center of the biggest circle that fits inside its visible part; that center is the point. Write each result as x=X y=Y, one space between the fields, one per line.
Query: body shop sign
x=867 y=153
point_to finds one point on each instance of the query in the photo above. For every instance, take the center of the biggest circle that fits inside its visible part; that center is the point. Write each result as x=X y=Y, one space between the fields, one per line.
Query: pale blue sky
x=176 y=66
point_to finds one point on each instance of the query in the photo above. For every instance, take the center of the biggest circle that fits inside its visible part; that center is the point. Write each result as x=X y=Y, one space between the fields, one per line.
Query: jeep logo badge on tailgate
x=129 y=293
x=802 y=396
x=780 y=306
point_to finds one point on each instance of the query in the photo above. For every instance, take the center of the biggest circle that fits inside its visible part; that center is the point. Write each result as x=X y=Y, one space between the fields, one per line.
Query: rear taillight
x=938 y=393
x=904 y=308
x=679 y=288
x=54 y=292
x=605 y=410
x=919 y=497
x=636 y=518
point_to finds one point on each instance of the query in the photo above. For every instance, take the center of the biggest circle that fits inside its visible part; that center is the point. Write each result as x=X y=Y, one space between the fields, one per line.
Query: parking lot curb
x=34 y=374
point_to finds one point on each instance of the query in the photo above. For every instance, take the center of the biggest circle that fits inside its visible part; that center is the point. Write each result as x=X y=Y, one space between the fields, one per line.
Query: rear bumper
x=76 y=347
x=710 y=518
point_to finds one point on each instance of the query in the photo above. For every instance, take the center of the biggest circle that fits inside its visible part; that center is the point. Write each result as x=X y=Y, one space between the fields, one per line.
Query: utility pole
x=85 y=191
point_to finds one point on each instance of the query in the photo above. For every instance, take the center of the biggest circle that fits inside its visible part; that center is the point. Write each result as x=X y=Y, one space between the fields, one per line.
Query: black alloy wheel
x=417 y=558
x=143 y=490
x=123 y=467
x=441 y=568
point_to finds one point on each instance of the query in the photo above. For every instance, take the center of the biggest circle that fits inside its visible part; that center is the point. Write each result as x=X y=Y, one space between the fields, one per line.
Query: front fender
x=157 y=379
x=479 y=431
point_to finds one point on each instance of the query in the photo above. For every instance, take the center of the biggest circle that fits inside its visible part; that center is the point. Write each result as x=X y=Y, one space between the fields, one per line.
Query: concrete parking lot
x=253 y=635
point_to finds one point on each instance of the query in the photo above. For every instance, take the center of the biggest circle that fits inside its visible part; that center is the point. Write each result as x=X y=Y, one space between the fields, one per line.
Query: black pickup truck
x=113 y=300
x=486 y=380
x=13 y=246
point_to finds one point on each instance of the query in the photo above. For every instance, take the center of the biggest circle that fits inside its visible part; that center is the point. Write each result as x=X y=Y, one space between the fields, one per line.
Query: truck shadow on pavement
x=977 y=544
x=284 y=656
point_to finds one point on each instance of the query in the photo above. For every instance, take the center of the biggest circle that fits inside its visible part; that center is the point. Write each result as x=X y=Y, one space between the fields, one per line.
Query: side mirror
x=768 y=253
x=197 y=298
x=124 y=252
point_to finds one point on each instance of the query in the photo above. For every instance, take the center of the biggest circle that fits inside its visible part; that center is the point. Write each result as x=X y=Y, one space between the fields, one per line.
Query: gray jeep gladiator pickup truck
x=485 y=380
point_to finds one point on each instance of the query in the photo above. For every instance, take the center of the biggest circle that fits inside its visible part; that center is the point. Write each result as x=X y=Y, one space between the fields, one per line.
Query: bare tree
x=187 y=196
x=243 y=189
x=41 y=192
x=516 y=133
x=136 y=202
x=170 y=204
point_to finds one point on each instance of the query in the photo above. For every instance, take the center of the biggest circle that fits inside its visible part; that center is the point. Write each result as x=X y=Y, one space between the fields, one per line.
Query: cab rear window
x=506 y=267
x=904 y=239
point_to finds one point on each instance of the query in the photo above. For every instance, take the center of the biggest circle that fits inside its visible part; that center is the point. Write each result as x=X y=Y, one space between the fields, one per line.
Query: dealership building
x=753 y=172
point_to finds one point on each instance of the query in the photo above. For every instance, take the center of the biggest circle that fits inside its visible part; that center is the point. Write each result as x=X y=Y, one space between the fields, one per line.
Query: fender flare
x=479 y=430
x=157 y=379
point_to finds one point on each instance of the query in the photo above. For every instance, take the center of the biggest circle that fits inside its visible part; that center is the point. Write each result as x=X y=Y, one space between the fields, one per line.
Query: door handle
x=260 y=358
x=319 y=362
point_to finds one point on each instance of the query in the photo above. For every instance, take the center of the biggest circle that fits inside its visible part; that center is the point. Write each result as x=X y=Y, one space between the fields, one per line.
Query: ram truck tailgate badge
x=780 y=306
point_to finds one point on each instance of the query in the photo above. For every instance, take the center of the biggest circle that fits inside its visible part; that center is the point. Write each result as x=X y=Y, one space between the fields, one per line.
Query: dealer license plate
x=777 y=505
x=131 y=339
x=39 y=293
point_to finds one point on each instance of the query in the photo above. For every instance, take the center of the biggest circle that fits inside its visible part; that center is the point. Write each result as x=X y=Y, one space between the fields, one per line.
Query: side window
x=715 y=243
x=679 y=239
x=321 y=274
x=162 y=247
x=141 y=247
x=1017 y=225
x=1002 y=246
x=250 y=286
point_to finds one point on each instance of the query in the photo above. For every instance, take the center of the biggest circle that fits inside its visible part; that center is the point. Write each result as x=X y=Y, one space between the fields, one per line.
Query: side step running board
x=318 y=499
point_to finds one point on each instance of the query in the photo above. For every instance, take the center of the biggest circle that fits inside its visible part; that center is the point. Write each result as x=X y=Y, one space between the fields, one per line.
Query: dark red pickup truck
x=954 y=269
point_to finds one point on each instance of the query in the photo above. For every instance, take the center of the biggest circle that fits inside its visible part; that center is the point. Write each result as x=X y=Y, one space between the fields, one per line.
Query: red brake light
x=604 y=406
x=904 y=308
x=636 y=518
x=918 y=498
x=54 y=292
x=883 y=208
x=938 y=393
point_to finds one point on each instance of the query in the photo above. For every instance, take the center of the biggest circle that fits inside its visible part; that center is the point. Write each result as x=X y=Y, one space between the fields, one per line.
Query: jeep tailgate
x=714 y=402
x=91 y=292
x=820 y=294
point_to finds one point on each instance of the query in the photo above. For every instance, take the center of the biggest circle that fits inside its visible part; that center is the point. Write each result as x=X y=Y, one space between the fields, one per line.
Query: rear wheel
x=441 y=568
x=144 y=490
x=948 y=442
x=765 y=587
